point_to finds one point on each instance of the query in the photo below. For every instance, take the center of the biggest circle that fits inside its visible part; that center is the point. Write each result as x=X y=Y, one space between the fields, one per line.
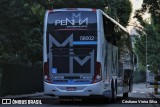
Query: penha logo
x=76 y=20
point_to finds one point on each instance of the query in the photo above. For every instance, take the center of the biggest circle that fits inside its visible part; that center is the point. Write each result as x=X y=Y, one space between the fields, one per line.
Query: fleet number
x=86 y=38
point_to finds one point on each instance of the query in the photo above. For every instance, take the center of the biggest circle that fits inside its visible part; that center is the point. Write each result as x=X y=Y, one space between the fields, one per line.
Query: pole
x=156 y=84
x=146 y=61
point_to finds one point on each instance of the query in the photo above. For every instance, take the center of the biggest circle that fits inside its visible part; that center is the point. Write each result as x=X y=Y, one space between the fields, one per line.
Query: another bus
x=86 y=52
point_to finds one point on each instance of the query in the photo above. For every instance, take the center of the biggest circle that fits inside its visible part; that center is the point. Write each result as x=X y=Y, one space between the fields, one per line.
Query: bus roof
x=72 y=9
x=90 y=9
x=115 y=22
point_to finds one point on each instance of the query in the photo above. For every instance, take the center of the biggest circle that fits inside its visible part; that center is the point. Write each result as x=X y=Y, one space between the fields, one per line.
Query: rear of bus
x=70 y=53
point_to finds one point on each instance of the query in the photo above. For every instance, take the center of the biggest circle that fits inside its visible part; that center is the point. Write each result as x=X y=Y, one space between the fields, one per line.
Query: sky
x=136 y=4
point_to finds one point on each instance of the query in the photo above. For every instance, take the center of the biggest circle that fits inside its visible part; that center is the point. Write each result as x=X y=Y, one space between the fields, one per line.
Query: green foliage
x=153 y=47
x=77 y=3
x=153 y=6
x=120 y=10
x=21 y=25
x=152 y=32
x=20 y=31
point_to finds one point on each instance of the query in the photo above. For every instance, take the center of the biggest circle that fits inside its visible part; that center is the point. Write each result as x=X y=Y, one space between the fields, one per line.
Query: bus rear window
x=73 y=20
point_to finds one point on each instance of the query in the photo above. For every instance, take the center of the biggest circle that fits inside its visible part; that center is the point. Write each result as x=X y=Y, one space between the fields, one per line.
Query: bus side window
x=108 y=30
x=105 y=27
x=120 y=72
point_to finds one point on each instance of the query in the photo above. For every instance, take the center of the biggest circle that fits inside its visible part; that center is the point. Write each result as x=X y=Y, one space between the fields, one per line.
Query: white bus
x=82 y=55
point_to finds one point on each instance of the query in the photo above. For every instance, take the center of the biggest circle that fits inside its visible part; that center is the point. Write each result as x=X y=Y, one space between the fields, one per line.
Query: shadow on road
x=90 y=101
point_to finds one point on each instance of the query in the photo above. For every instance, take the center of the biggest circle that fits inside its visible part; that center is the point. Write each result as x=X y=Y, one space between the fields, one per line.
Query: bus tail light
x=51 y=10
x=94 y=10
x=46 y=72
x=97 y=75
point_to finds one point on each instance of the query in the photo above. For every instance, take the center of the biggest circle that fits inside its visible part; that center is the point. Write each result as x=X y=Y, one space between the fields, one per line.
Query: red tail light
x=97 y=75
x=94 y=10
x=46 y=68
x=51 y=10
x=46 y=72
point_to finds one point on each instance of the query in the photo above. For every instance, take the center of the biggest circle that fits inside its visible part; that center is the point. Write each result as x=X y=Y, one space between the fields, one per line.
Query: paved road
x=139 y=93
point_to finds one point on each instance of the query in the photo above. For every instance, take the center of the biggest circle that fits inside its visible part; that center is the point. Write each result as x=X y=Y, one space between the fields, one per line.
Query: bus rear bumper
x=80 y=90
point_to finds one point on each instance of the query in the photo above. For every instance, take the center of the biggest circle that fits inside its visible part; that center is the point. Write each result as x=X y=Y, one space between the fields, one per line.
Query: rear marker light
x=50 y=10
x=97 y=76
x=94 y=10
x=45 y=77
x=46 y=72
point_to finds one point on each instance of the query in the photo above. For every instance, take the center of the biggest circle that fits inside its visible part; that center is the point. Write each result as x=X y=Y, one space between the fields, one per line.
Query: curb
x=152 y=95
x=155 y=97
x=24 y=95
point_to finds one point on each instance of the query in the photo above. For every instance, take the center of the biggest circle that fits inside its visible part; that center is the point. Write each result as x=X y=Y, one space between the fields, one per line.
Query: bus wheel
x=125 y=95
x=114 y=93
x=130 y=85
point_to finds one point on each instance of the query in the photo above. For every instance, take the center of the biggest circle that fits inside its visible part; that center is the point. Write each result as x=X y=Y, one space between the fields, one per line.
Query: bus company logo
x=75 y=21
x=69 y=41
x=6 y=101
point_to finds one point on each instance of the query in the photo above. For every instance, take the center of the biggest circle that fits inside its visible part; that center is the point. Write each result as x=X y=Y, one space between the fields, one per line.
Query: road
x=139 y=93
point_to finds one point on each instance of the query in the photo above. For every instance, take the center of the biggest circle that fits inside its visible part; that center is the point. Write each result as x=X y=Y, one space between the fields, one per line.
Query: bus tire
x=114 y=92
x=130 y=85
x=125 y=95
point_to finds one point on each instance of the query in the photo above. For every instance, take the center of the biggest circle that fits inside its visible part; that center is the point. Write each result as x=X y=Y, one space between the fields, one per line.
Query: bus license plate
x=71 y=88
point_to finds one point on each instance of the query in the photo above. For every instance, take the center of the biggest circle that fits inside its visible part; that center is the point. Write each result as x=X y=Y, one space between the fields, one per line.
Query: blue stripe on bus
x=73 y=82
x=84 y=42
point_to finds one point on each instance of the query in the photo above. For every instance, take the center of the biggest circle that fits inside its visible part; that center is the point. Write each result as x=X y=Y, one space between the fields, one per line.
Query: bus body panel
x=81 y=90
x=44 y=37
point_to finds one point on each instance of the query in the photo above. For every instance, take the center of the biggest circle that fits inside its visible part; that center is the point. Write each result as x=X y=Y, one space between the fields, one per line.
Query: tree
x=120 y=10
x=21 y=25
x=153 y=6
x=20 y=31
x=76 y=3
x=153 y=54
x=153 y=50
x=151 y=32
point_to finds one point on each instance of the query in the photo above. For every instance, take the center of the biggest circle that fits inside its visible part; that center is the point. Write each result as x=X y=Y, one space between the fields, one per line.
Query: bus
x=85 y=53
